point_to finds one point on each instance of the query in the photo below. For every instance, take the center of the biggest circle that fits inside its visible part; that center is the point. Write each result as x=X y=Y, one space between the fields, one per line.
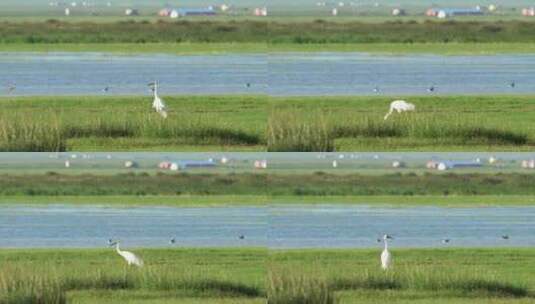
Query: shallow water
x=276 y=74
x=360 y=226
x=61 y=226
x=91 y=73
x=333 y=226
x=360 y=74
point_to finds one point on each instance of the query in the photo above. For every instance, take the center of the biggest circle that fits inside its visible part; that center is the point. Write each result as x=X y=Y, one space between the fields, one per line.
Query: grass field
x=200 y=201
x=128 y=123
x=258 y=123
x=418 y=276
x=227 y=35
x=440 y=123
x=318 y=184
x=303 y=32
x=191 y=48
x=249 y=275
x=214 y=276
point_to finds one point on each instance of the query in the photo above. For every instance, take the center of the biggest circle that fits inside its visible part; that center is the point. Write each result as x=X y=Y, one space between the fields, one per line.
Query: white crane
x=128 y=256
x=400 y=106
x=158 y=105
x=386 y=256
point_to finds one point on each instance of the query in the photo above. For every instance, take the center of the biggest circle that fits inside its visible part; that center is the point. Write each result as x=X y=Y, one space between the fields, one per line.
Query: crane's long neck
x=155 y=88
x=386 y=244
x=117 y=248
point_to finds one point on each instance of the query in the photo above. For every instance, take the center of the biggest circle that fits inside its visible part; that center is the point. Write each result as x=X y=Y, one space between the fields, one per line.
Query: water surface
x=285 y=74
x=276 y=226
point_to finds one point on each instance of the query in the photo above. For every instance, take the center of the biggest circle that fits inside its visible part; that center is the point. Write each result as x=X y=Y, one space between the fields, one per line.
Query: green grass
x=259 y=123
x=228 y=35
x=420 y=275
x=127 y=123
x=452 y=123
x=318 y=184
x=304 y=32
x=265 y=200
x=192 y=48
x=169 y=276
x=246 y=276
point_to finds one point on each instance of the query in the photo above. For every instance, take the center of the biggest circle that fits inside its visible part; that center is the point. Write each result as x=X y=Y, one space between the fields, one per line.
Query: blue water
x=283 y=74
x=360 y=74
x=90 y=73
x=61 y=226
x=276 y=226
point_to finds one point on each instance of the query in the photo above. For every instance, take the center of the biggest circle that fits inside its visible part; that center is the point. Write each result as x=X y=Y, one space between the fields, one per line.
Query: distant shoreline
x=451 y=49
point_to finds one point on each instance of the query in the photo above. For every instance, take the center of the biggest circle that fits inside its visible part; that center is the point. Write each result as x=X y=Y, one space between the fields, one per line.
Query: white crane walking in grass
x=386 y=257
x=129 y=257
x=400 y=106
x=158 y=105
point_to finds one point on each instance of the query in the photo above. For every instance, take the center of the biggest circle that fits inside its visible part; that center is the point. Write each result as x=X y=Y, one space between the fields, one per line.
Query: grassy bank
x=304 y=32
x=249 y=275
x=257 y=123
x=128 y=123
x=276 y=185
x=97 y=276
x=452 y=123
x=418 y=276
x=198 y=201
x=205 y=36
x=192 y=48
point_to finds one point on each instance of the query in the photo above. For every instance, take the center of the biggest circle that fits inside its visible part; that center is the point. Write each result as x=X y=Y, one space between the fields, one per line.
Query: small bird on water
x=11 y=88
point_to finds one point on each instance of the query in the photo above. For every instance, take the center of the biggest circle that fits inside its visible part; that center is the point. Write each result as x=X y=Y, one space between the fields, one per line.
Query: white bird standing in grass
x=400 y=106
x=386 y=257
x=158 y=103
x=128 y=256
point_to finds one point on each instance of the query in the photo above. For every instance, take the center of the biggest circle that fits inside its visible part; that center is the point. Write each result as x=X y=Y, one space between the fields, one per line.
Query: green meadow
x=213 y=123
x=440 y=123
x=215 y=276
x=417 y=276
x=446 y=275
x=230 y=185
x=216 y=35
x=259 y=123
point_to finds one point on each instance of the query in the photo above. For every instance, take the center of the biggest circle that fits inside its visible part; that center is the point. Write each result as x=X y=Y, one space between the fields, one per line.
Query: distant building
x=528 y=12
x=261 y=11
x=443 y=13
x=131 y=12
x=166 y=12
x=398 y=12
x=447 y=165
x=185 y=12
